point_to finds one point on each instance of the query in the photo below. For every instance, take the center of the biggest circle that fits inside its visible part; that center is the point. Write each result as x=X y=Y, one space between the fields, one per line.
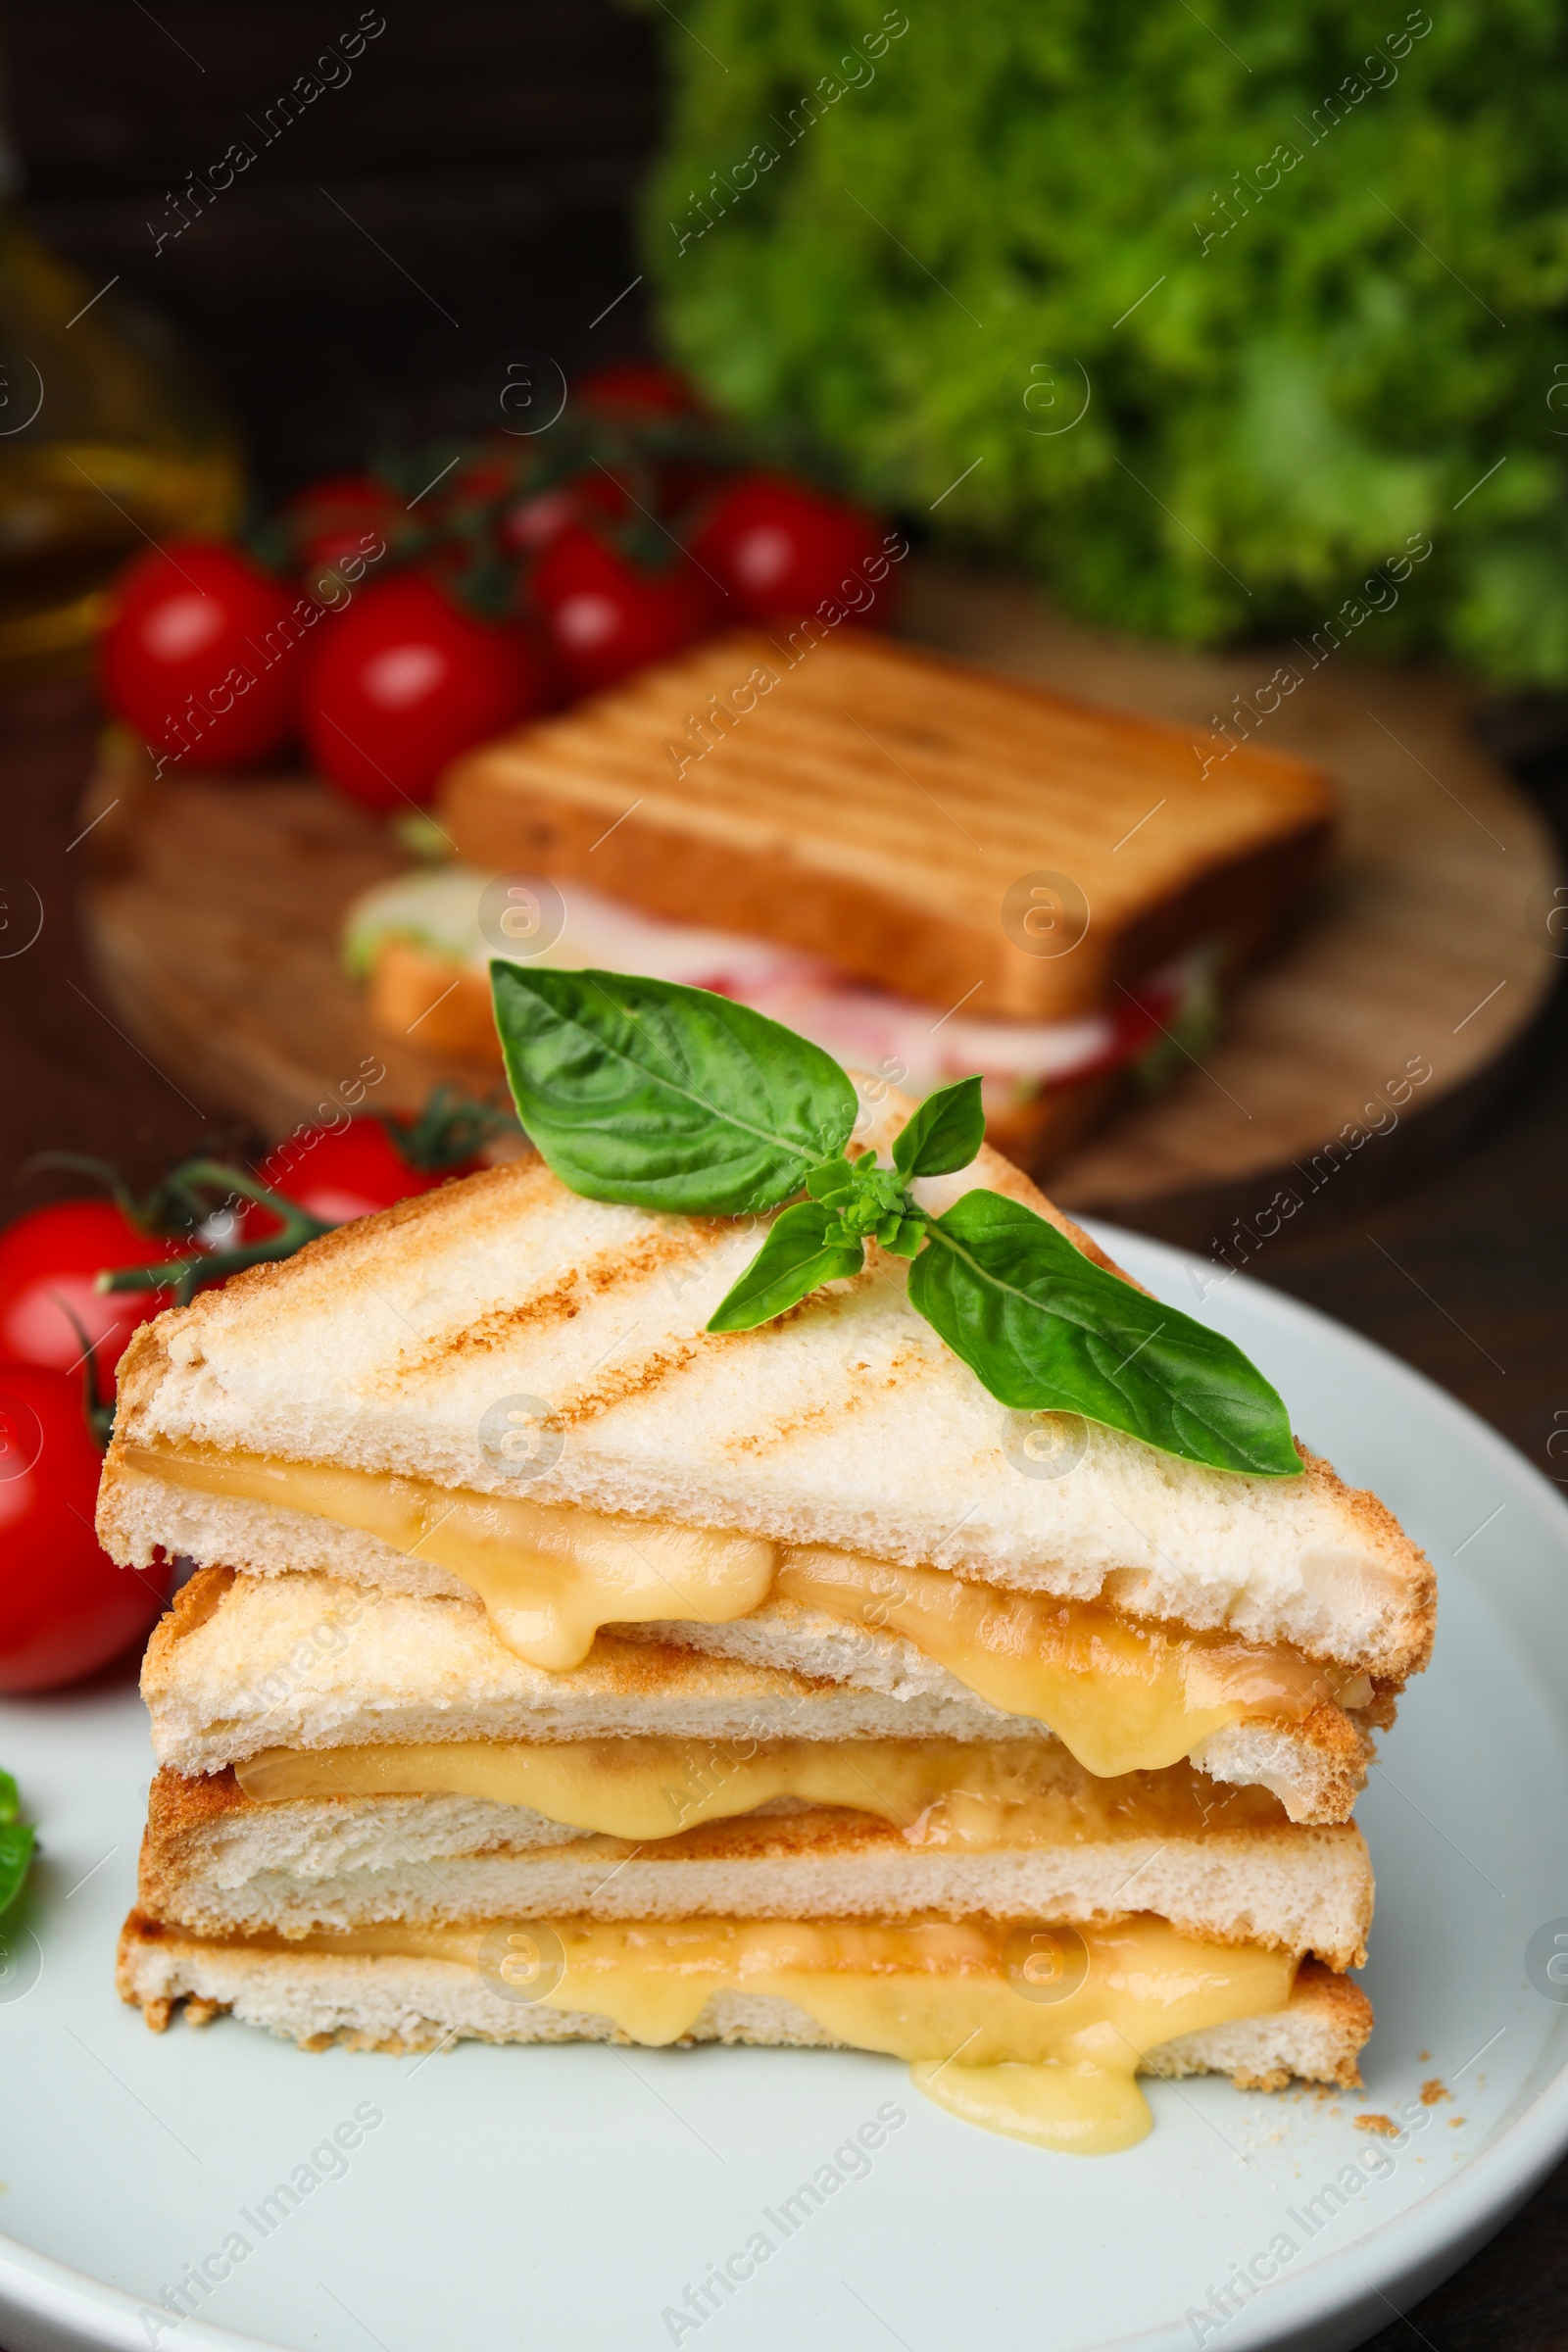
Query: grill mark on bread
x=908 y=1362
x=627 y=1267
x=663 y=1364
x=642 y=1377
x=558 y=1303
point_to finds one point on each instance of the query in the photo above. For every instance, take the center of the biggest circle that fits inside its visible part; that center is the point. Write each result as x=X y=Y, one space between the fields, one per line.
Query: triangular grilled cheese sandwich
x=503 y=1393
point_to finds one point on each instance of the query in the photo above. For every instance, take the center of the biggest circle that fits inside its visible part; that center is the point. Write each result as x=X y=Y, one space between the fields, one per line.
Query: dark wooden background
x=487 y=151
x=466 y=191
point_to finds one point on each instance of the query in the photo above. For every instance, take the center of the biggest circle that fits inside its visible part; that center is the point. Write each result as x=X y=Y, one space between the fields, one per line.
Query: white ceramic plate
x=569 y=2198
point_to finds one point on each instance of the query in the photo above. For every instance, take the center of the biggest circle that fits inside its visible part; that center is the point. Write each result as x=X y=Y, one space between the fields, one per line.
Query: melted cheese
x=1122 y=1695
x=969 y=2003
x=550 y=1575
x=940 y=1792
x=1119 y=1694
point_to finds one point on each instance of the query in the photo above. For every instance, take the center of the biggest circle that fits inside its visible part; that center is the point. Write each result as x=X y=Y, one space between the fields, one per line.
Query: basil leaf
x=795 y=1258
x=16 y=1842
x=15 y=1855
x=945 y=1133
x=1047 y=1330
x=833 y=1181
x=668 y=1098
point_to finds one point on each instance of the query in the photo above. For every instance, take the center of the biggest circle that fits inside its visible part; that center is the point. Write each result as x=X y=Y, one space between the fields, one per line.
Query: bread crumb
x=1423 y=2057
x=1455 y=2121
x=1382 y=2123
x=1432 y=2090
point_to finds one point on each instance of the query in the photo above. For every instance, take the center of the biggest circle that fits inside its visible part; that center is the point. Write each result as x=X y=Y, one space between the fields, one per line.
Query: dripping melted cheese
x=1123 y=1696
x=1027 y=2028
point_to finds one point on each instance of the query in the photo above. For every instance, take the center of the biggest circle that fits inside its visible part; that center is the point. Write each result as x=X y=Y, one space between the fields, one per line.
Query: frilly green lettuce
x=895 y=240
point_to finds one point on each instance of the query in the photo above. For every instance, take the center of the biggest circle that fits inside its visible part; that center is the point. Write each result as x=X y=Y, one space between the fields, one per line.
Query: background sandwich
x=926 y=869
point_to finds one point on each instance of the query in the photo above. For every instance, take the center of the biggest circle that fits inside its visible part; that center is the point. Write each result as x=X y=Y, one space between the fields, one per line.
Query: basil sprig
x=677 y=1099
x=16 y=1842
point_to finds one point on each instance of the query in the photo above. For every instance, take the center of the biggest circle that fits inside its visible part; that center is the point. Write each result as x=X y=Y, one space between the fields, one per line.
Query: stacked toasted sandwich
x=560 y=1667
x=926 y=869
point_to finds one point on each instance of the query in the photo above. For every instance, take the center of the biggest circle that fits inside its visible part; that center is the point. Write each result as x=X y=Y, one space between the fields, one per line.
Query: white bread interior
x=217 y=1862
x=244 y=1663
x=845 y=1423
x=247 y=1662
x=398 y=2006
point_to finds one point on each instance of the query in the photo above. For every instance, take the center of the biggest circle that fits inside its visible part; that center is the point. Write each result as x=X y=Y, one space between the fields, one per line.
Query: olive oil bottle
x=112 y=437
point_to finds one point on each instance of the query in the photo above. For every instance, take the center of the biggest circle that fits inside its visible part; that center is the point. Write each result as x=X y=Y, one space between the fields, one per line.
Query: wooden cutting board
x=214 y=910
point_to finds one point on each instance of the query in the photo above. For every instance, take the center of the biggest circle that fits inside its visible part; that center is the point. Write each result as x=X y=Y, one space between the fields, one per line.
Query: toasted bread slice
x=244 y=1664
x=845 y=1424
x=218 y=1863
x=890 y=812
x=396 y=2005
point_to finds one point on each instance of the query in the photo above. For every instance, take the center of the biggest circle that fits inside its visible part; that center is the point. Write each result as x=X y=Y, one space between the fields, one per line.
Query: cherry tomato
x=65 y=1607
x=343 y=515
x=604 y=616
x=639 y=388
x=47 y=1262
x=341 y=1172
x=538 y=521
x=403 y=681
x=201 y=654
x=781 y=549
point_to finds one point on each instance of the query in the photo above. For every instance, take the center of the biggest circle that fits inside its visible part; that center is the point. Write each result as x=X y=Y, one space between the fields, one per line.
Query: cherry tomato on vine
x=604 y=616
x=65 y=1607
x=342 y=516
x=48 y=1259
x=336 y=1173
x=202 y=654
x=781 y=549
x=463 y=502
x=538 y=519
x=646 y=392
x=403 y=681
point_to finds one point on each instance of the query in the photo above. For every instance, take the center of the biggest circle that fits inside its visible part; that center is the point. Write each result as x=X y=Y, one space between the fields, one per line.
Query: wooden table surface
x=1462 y=1272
